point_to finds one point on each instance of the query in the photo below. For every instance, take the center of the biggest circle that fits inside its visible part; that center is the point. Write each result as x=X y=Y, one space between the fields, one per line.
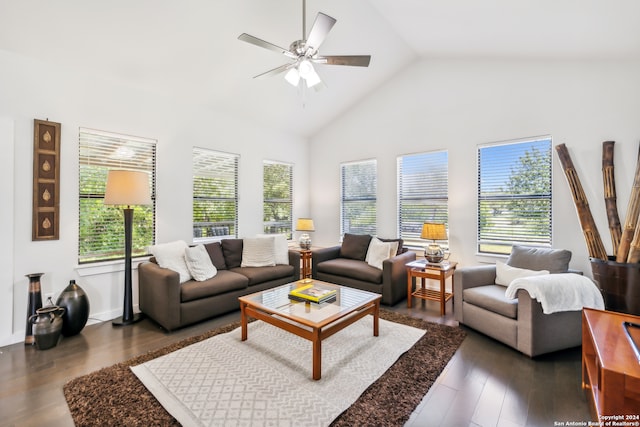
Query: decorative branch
x=610 y=197
x=634 y=248
x=589 y=229
x=631 y=220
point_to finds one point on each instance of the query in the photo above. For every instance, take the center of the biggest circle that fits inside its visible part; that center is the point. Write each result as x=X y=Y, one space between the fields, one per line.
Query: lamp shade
x=125 y=187
x=305 y=224
x=434 y=231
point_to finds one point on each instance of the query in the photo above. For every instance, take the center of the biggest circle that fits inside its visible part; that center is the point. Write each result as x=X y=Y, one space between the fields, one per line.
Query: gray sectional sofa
x=173 y=304
x=347 y=265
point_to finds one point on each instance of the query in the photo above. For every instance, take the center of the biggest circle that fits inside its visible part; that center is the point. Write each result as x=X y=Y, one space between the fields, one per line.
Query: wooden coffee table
x=313 y=322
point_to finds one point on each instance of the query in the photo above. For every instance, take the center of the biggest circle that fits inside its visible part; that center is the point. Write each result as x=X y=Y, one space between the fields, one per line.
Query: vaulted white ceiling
x=189 y=49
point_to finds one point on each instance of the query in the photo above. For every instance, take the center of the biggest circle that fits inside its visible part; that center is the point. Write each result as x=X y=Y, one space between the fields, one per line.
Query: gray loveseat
x=173 y=305
x=481 y=304
x=346 y=265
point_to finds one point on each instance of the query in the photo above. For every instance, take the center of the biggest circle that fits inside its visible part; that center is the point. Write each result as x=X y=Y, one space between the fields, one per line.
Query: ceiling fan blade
x=351 y=60
x=266 y=45
x=274 y=72
x=321 y=27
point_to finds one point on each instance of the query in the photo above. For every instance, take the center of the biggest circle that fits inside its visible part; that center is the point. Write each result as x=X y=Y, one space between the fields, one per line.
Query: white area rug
x=266 y=380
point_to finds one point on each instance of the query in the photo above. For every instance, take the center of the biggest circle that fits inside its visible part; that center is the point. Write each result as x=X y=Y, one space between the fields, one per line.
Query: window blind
x=358 y=197
x=423 y=193
x=215 y=195
x=101 y=227
x=514 y=195
x=277 y=198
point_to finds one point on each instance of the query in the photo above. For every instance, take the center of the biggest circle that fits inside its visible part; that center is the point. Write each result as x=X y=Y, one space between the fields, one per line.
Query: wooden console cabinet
x=610 y=369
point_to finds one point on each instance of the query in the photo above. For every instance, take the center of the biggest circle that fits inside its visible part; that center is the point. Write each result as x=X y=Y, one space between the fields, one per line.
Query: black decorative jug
x=76 y=304
x=47 y=324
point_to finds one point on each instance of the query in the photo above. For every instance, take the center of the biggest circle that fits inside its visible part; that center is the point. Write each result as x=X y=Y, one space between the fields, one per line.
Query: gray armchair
x=481 y=304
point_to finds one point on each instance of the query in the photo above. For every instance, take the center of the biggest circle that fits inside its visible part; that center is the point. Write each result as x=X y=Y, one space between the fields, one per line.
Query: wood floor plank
x=434 y=407
x=463 y=406
x=489 y=407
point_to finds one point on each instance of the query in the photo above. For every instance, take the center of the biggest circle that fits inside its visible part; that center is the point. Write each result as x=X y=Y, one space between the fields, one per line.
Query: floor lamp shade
x=125 y=187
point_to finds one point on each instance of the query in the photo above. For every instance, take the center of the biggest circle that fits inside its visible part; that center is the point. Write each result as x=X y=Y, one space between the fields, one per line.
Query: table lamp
x=305 y=225
x=433 y=231
x=126 y=187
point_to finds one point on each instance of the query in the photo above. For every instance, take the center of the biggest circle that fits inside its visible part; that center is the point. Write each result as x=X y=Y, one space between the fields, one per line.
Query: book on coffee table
x=312 y=293
x=324 y=301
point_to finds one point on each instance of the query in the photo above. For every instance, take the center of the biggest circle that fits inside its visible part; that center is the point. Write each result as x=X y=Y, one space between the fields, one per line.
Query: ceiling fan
x=304 y=52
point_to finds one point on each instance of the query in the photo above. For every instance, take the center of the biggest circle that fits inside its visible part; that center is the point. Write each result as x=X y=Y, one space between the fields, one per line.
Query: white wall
x=32 y=89
x=6 y=225
x=458 y=104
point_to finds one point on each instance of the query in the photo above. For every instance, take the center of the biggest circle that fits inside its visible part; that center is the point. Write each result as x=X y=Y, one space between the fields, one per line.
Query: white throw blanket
x=559 y=292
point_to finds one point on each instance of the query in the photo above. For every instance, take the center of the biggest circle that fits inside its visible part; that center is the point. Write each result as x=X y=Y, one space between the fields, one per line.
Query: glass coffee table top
x=277 y=302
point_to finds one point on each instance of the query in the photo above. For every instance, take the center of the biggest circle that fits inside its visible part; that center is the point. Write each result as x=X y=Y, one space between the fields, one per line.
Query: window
x=215 y=195
x=101 y=227
x=514 y=195
x=423 y=193
x=277 y=198
x=358 y=197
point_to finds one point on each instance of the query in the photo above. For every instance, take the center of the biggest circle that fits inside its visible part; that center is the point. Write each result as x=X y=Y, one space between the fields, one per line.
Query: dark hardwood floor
x=485 y=384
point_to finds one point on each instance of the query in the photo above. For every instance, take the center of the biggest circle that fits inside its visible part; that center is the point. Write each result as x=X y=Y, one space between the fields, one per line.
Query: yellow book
x=313 y=293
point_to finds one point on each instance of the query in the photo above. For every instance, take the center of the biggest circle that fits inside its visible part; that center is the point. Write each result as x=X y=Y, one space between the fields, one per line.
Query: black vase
x=34 y=303
x=76 y=305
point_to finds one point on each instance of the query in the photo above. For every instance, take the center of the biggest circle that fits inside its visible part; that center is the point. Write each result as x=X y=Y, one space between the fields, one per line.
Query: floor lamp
x=125 y=187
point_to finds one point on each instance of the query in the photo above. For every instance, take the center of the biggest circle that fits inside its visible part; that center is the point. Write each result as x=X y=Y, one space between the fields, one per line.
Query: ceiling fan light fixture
x=312 y=78
x=305 y=68
x=292 y=76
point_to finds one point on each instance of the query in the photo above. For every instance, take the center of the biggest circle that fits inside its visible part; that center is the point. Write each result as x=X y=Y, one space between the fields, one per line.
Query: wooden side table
x=425 y=270
x=305 y=257
x=610 y=369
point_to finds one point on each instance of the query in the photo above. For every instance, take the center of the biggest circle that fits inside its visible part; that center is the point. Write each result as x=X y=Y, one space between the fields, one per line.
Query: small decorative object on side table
x=434 y=231
x=426 y=270
x=306 y=226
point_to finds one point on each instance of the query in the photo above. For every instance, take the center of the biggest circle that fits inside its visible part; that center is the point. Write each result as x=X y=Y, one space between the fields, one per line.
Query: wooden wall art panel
x=46 y=180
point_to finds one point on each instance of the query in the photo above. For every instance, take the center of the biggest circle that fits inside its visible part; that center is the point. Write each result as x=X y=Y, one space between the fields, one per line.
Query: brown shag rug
x=114 y=396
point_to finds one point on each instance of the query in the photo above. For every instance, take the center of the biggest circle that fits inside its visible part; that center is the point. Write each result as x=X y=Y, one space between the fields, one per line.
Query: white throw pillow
x=281 y=247
x=171 y=255
x=378 y=251
x=258 y=252
x=505 y=274
x=199 y=263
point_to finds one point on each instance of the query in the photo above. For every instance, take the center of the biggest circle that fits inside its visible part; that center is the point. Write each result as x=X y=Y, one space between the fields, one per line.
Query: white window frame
x=495 y=174
x=367 y=199
x=423 y=194
x=212 y=164
x=100 y=151
x=275 y=226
